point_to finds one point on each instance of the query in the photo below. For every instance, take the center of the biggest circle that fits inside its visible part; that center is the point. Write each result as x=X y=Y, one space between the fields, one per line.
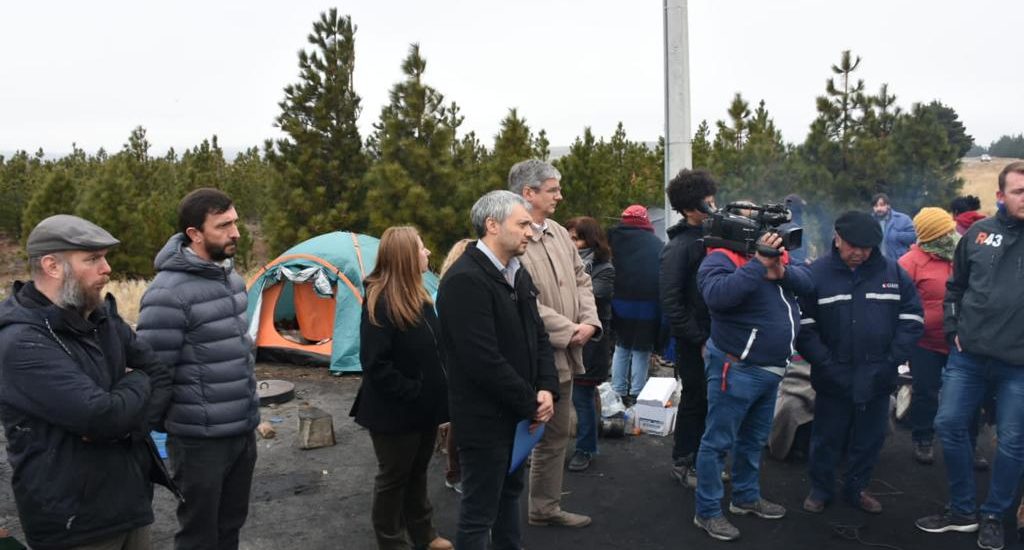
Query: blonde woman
x=404 y=394
x=452 y=471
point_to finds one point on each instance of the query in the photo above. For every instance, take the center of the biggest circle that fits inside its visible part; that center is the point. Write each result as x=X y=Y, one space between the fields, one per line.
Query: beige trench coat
x=566 y=294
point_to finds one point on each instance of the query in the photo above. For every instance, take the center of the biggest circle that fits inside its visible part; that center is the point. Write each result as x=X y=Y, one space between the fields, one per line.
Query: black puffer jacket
x=681 y=300
x=405 y=387
x=77 y=424
x=193 y=316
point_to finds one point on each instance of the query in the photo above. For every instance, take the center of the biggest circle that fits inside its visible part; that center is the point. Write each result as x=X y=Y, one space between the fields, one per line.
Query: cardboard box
x=656 y=420
x=658 y=392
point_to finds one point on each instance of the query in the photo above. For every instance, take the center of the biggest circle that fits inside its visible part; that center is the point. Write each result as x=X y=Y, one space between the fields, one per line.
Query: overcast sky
x=88 y=72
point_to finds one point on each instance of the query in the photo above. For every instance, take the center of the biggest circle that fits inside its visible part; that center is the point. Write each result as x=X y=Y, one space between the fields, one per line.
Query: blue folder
x=524 y=443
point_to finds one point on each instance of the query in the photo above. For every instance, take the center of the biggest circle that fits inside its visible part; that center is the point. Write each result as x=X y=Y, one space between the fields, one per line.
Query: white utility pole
x=678 y=136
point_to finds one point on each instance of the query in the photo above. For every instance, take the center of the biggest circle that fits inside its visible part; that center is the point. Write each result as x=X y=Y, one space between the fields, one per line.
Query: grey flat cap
x=64 y=232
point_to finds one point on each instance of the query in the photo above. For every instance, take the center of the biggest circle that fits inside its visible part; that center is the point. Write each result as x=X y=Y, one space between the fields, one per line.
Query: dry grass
x=128 y=294
x=981 y=180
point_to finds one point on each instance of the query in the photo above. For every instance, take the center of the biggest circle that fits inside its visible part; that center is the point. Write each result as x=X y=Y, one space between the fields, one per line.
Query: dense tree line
x=418 y=167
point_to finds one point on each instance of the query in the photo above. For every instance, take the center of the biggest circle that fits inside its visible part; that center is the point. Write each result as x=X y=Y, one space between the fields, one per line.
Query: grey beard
x=73 y=296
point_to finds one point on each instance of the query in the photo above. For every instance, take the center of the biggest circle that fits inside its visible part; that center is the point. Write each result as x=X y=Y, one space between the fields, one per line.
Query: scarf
x=942 y=247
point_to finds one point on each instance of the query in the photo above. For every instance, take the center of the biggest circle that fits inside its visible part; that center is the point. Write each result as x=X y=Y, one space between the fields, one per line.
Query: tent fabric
x=319 y=282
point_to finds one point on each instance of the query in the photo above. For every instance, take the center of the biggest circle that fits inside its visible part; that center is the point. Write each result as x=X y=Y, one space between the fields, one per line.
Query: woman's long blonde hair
x=398 y=277
x=454 y=254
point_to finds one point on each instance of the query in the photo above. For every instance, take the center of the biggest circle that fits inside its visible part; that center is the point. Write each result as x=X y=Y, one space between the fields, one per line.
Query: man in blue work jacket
x=857 y=327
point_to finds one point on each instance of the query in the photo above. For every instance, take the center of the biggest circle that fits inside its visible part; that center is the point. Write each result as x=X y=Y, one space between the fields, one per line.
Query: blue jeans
x=856 y=428
x=629 y=370
x=739 y=420
x=964 y=383
x=586 y=418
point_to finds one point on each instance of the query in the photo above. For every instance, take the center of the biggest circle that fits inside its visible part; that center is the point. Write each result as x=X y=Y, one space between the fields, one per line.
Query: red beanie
x=636 y=216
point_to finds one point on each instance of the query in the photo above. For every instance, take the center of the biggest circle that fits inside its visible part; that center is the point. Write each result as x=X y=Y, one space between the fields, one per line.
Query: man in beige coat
x=566 y=305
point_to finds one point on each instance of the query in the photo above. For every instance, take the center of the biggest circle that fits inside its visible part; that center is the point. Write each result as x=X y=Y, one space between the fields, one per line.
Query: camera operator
x=754 y=322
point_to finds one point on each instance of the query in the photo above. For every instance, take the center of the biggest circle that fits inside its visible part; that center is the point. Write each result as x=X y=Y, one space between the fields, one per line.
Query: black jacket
x=858 y=325
x=497 y=349
x=681 y=300
x=597 y=354
x=985 y=296
x=77 y=424
x=404 y=385
x=636 y=312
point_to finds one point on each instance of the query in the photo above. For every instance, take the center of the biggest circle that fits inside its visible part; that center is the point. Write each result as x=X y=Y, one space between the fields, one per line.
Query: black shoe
x=924 y=453
x=990 y=534
x=579 y=462
x=948 y=521
x=684 y=473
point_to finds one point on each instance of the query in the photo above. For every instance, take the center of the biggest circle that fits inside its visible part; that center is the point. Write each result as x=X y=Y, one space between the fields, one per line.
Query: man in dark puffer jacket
x=193 y=315
x=78 y=396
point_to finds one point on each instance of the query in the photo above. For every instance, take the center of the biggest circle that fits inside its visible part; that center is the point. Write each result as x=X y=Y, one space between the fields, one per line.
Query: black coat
x=77 y=424
x=858 y=326
x=681 y=300
x=404 y=387
x=985 y=293
x=635 y=309
x=498 y=352
x=597 y=354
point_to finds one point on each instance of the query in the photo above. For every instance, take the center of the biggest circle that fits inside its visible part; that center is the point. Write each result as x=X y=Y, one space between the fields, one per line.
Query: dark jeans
x=586 y=417
x=693 y=401
x=926 y=368
x=490 y=499
x=840 y=424
x=136 y=539
x=741 y=403
x=964 y=384
x=400 y=501
x=215 y=477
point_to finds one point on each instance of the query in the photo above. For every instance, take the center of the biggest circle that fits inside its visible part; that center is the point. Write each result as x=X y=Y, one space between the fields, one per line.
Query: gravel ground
x=321 y=498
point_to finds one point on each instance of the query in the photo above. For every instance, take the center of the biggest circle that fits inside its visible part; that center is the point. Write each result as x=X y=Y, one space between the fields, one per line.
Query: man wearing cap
x=193 y=314
x=984 y=326
x=858 y=326
x=567 y=308
x=636 y=313
x=78 y=397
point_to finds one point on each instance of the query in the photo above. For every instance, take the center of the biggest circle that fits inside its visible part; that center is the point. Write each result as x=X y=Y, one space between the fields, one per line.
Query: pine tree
x=59 y=189
x=19 y=176
x=701 y=146
x=414 y=180
x=321 y=162
x=513 y=143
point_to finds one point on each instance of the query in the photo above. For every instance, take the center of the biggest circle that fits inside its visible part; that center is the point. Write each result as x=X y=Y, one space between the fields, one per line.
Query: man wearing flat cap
x=859 y=325
x=79 y=394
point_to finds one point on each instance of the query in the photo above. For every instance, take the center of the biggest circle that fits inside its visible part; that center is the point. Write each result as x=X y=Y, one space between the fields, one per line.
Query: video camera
x=732 y=228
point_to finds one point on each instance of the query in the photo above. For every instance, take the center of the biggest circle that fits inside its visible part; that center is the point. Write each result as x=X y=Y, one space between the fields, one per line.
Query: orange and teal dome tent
x=305 y=305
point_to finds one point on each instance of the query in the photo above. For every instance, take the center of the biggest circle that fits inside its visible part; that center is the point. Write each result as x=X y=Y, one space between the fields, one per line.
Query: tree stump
x=316 y=428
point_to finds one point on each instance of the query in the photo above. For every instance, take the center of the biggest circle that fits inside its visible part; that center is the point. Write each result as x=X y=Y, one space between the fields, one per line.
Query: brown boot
x=869 y=504
x=813 y=505
x=440 y=543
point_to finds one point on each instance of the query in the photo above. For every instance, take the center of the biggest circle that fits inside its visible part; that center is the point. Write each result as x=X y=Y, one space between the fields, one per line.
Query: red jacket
x=929 y=273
